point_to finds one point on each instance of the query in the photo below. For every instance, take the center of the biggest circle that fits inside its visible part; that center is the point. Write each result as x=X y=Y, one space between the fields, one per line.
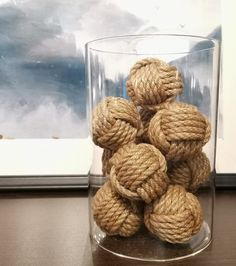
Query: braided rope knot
x=176 y=217
x=115 y=122
x=138 y=172
x=179 y=130
x=152 y=81
x=114 y=214
x=191 y=173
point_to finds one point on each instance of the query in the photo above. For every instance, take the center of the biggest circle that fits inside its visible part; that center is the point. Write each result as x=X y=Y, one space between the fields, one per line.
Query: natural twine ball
x=140 y=172
x=176 y=217
x=191 y=173
x=179 y=130
x=114 y=214
x=109 y=158
x=152 y=81
x=115 y=122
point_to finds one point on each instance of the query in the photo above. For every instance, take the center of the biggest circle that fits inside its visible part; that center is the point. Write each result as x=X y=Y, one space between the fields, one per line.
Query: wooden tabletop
x=50 y=228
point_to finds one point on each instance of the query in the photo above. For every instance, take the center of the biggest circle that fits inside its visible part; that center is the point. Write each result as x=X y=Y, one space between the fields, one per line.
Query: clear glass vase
x=153 y=112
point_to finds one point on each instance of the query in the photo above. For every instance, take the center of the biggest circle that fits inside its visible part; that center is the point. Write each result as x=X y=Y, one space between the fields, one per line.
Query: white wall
x=226 y=145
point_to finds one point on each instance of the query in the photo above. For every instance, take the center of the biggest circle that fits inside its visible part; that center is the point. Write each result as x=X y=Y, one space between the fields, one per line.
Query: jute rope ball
x=152 y=81
x=109 y=158
x=175 y=217
x=116 y=122
x=114 y=214
x=179 y=130
x=191 y=173
x=140 y=173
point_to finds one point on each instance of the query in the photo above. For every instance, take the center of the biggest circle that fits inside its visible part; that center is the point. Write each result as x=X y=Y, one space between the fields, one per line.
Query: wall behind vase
x=42 y=88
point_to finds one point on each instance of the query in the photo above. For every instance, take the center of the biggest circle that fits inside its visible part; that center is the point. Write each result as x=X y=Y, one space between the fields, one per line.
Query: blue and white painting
x=42 y=66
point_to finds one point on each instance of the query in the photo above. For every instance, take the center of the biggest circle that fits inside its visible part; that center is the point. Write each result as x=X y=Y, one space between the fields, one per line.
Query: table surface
x=50 y=228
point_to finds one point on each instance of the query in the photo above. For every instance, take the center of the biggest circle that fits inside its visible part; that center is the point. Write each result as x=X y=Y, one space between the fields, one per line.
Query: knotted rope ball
x=140 y=172
x=191 y=173
x=175 y=217
x=179 y=130
x=109 y=158
x=115 y=122
x=114 y=214
x=152 y=81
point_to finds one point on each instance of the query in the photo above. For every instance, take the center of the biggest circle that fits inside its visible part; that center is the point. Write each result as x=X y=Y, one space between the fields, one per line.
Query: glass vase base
x=155 y=249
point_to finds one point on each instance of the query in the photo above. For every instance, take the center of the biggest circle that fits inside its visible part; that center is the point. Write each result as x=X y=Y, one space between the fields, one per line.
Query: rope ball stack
x=152 y=157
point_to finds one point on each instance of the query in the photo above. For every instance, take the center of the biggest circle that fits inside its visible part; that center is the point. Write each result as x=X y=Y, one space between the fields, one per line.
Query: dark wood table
x=50 y=228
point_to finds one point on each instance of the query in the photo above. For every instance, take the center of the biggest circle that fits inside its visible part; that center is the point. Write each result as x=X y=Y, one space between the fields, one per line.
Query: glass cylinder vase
x=153 y=112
